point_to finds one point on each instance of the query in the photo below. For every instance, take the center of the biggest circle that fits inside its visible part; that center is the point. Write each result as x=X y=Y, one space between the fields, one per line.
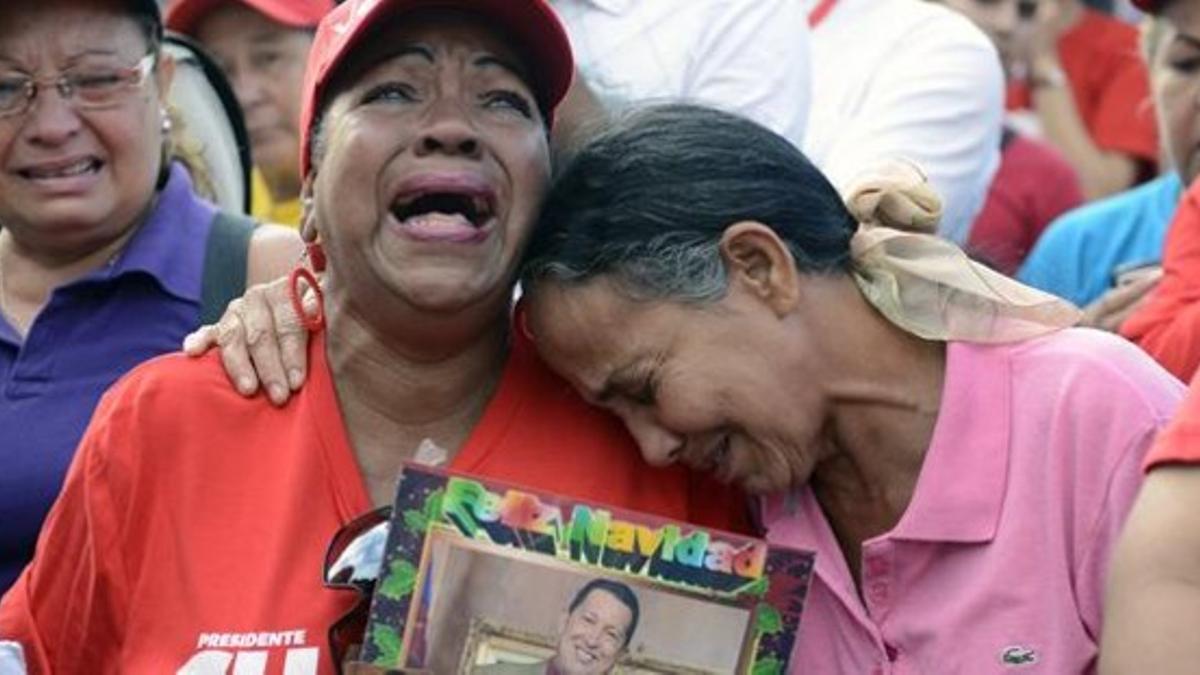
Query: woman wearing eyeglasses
x=191 y=531
x=102 y=238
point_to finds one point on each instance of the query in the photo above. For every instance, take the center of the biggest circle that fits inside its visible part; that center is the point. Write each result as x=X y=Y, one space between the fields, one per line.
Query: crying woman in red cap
x=192 y=529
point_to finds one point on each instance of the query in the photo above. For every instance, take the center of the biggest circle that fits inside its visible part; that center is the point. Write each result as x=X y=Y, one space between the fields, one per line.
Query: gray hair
x=648 y=201
x=672 y=265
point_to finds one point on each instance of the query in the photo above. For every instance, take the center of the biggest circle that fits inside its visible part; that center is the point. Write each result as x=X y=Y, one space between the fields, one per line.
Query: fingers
x=199 y=341
x=231 y=339
x=258 y=315
x=293 y=339
x=1114 y=307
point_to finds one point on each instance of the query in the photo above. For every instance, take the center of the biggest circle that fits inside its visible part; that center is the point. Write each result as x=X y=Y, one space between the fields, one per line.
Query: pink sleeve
x=1100 y=537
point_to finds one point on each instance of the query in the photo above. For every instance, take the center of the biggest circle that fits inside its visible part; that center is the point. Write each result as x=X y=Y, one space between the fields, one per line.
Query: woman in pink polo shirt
x=959 y=458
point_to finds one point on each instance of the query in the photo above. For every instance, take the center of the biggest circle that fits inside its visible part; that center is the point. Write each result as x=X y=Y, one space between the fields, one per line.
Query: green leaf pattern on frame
x=387 y=641
x=758 y=588
x=419 y=521
x=767 y=620
x=767 y=666
x=400 y=581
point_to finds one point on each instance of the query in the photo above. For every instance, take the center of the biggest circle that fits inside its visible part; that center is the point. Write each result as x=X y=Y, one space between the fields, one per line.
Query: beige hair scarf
x=927 y=285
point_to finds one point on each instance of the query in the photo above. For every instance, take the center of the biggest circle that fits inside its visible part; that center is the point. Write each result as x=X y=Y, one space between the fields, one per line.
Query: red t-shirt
x=1108 y=79
x=1033 y=186
x=1168 y=323
x=191 y=530
x=1180 y=441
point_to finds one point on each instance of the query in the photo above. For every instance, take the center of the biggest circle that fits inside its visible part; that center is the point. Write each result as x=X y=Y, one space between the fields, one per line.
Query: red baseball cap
x=533 y=27
x=184 y=16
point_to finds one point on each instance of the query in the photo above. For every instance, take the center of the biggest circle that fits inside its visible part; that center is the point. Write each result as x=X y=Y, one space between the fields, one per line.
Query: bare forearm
x=1154 y=632
x=1101 y=172
x=1153 y=603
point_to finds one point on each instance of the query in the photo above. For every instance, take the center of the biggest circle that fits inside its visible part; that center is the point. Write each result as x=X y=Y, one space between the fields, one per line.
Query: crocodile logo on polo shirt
x=1017 y=656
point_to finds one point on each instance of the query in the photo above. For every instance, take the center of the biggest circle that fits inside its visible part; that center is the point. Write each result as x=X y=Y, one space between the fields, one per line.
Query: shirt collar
x=960 y=492
x=170 y=245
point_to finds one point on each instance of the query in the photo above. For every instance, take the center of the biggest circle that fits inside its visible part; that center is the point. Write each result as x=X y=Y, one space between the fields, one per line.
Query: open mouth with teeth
x=449 y=216
x=80 y=167
x=585 y=656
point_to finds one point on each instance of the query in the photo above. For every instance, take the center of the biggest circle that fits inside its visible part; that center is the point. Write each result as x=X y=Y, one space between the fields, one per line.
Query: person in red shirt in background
x=1033 y=186
x=1077 y=73
x=1167 y=325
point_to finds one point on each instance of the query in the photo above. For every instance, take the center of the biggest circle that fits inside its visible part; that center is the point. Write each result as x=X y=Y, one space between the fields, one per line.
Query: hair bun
x=895 y=194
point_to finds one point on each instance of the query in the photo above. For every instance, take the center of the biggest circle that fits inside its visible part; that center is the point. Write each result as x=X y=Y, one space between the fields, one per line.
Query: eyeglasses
x=352 y=563
x=87 y=87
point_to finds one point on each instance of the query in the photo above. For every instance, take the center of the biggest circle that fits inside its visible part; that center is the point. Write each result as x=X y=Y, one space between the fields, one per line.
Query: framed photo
x=480 y=577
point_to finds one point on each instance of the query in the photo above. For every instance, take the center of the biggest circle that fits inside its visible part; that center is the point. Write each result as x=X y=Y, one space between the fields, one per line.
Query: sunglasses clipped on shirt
x=353 y=561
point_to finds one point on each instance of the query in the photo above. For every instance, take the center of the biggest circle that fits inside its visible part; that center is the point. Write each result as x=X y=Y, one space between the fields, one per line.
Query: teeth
x=474 y=208
x=81 y=167
x=481 y=208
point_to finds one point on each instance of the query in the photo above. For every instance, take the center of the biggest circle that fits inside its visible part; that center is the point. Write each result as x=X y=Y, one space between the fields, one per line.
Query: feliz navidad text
x=592 y=536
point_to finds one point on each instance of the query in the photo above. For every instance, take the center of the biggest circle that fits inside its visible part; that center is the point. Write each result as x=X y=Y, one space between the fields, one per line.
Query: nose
x=247 y=87
x=448 y=131
x=52 y=120
x=659 y=446
x=591 y=639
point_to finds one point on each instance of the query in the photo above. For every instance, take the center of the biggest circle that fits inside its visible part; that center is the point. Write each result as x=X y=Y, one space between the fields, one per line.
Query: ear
x=308 y=212
x=164 y=75
x=757 y=260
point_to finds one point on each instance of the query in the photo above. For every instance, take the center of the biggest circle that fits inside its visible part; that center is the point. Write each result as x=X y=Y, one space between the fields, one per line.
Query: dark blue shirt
x=91 y=332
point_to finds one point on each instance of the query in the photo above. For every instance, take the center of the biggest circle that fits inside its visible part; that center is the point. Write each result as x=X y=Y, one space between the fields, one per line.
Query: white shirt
x=909 y=79
x=743 y=56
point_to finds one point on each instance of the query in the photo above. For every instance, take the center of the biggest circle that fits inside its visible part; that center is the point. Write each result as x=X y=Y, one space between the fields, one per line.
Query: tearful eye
x=11 y=88
x=511 y=100
x=95 y=81
x=391 y=91
x=1187 y=65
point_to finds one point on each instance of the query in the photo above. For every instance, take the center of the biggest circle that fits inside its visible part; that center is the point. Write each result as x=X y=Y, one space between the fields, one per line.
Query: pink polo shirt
x=998 y=564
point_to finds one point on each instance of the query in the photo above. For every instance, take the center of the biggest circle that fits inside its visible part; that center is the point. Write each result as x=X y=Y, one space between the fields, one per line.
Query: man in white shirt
x=744 y=56
x=908 y=79
x=886 y=79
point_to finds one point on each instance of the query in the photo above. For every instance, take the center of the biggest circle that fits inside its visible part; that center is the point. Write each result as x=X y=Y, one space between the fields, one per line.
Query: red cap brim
x=184 y=16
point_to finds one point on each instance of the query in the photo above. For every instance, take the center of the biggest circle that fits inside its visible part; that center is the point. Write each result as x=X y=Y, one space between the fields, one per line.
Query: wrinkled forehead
x=436 y=32
x=65 y=29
